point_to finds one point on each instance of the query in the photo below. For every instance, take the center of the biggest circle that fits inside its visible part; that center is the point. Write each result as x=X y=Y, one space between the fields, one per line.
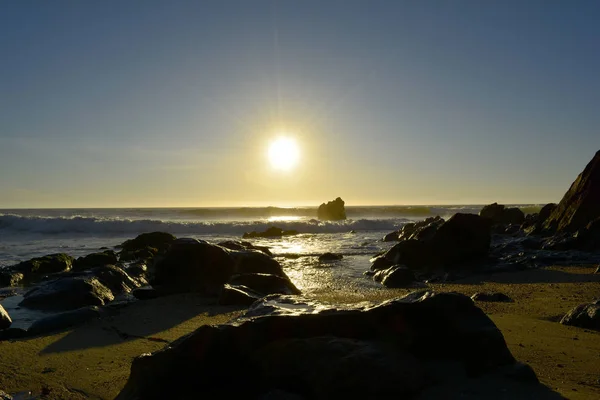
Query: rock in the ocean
x=395 y=349
x=192 y=265
x=254 y=261
x=330 y=257
x=585 y=315
x=5 y=321
x=67 y=294
x=391 y=237
x=100 y=259
x=10 y=277
x=397 y=276
x=243 y=245
x=581 y=204
x=492 y=297
x=332 y=211
x=270 y=233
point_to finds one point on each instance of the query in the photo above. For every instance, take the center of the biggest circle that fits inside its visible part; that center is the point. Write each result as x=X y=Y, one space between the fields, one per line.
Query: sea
x=28 y=233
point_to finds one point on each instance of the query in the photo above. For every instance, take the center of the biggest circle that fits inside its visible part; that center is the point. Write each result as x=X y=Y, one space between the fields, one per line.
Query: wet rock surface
x=271 y=232
x=67 y=294
x=584 y=316
x=330 y=257
x=309 y=349
x=100 y=259
x=397 y=276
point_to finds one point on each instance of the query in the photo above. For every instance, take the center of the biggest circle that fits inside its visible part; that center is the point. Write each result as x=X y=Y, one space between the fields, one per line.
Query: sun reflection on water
x=284 y=218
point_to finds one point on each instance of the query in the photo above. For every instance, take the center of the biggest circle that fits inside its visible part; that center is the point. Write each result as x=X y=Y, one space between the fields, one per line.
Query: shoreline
x=93 y=360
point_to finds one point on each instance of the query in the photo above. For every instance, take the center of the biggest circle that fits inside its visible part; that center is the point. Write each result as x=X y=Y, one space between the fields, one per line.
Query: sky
x=164 y=104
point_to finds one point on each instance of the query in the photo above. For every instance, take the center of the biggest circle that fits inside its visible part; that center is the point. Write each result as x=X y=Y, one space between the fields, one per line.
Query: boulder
x=397 y=276
x=5 y=321
x=67 y=294
x=243 y=245
x=330 y=257
x=238 y=295
x=40 y=266
x=106 y=257
x=314 y=350
x=496 y=297
x=254 y=261
x=157 y=240
x=64 y=320
x=144 y=254
x=499 y=214
x=581 y=203
x=116 y=279
x=463 y=239
x=265 y=284
x=270 y=233
x=391 y=237
x=10 y=277
x=585 y=315
x=332 y=211
x=192 y=265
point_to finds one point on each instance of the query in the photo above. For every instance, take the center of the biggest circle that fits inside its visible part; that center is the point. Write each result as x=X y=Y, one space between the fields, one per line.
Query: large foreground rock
x=584 y=316
x=332 y=211
x=5 y=321
x=298 y=348
x=581 y=204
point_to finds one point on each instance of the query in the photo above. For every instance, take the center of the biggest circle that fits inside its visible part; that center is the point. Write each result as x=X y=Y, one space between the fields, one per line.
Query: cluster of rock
x=77 y=289
x=332 y=211
x=434 y=246
x=271 y=232
x=294 y=348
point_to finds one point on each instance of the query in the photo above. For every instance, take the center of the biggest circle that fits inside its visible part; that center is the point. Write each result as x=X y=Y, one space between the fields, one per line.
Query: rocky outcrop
x=295 y=347
x=269 y=233
x=499 y=214
x=581 y=204
x=116 y=279
x=397 y=276
x=265 y=284
x=9 y=277
x=463 y=239
x=584 y=316
x=37 y=267
x=67 y=294
x=157 y=240
x=5 y=321
x=254 y=261
x=332 y=211
x=243 y=245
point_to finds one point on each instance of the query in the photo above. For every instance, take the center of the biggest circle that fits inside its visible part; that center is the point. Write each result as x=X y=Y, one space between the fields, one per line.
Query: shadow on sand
x=533 y=275
x=157 y=320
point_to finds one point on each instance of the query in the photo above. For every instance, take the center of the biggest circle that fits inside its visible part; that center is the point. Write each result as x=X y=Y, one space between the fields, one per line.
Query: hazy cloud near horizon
x=152 y=103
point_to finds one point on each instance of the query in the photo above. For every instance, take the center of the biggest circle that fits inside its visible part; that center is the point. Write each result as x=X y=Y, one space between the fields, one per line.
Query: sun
x=284 y=153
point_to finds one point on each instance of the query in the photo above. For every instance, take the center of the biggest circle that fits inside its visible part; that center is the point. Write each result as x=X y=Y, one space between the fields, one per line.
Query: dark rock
x=10 y=277
x=67 y=294
x=379 y=263
x=146 y=293
x=12 y=333
x=238 y=295
x=422 y=230
x=158 y=240
x=64 y=320
x=391 y=237
x=116 y=279
x=499 y=214
x=265 y=284
x=144 y=254
x=39 y=266
x=492 y=297
x=106 y=257
x=191 y=265
x=138 y=271
x=330 y=257
x=394 y=349
x=597 y=270
x=243 y=245
x=5 y=321
x=254 y=261
x=332 y=211
x=397 y=276
x=581 y=204
x=270 y=233
x=585 y=315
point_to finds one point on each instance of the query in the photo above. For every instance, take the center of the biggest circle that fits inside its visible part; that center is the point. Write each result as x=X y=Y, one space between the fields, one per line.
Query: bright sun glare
x=284 y=153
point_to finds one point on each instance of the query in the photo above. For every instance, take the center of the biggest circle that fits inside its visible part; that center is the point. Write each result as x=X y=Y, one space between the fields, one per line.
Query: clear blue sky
x=173 y=103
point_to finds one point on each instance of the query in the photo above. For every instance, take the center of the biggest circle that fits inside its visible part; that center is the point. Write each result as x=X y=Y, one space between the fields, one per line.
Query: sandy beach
x=93 y=361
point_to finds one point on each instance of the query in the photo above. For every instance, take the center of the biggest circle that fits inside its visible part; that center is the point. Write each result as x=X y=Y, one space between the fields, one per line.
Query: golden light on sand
x=284 y=153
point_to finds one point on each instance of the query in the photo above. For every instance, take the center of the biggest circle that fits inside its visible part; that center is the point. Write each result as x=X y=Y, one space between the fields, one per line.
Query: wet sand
x=93 y=361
